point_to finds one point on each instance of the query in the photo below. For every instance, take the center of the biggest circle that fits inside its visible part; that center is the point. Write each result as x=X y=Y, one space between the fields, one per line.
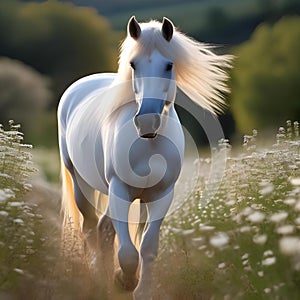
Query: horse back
x=76 y=146
x=78 y=92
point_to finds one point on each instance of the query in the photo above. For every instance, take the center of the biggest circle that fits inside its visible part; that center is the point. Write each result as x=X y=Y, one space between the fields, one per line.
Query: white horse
x=119 y=135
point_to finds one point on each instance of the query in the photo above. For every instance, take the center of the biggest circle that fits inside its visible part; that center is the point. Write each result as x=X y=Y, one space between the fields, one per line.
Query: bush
x=265 y=78
x=63 y=41
x=24 y=95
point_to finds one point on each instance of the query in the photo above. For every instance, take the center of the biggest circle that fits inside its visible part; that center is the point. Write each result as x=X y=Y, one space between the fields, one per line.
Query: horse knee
x=128 y=259
x=149 y=246
x=148 y=253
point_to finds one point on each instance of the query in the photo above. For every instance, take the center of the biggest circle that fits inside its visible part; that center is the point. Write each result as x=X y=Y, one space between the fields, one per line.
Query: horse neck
x=122 y=93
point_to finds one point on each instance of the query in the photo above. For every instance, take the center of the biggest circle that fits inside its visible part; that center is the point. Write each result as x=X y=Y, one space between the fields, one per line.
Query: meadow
x=238 y=241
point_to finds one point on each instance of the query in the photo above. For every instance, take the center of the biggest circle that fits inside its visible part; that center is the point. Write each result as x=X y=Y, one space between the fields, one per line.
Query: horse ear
x=167 y=29
x=133 y=28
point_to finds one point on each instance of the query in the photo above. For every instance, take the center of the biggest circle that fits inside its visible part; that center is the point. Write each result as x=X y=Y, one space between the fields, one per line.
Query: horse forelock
x=200 y=73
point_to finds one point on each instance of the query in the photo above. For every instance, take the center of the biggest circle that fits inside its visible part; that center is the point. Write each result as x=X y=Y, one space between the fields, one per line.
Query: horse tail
x=71 y=217
x=142 y=225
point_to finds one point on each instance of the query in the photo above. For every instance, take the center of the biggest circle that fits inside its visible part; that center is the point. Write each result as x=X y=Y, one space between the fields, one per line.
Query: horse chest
x=146 y=163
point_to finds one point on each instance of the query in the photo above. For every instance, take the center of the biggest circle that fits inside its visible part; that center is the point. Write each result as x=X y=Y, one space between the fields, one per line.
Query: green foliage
x=265 y=78
x=58 y=39
x=244 y=243
x=226 y=22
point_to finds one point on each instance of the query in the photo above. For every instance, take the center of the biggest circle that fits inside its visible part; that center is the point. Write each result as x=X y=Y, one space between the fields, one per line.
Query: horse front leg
x=119 y=204
x=149 y=246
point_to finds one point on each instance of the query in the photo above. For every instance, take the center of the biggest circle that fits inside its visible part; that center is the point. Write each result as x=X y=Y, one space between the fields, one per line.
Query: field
x=235 y=237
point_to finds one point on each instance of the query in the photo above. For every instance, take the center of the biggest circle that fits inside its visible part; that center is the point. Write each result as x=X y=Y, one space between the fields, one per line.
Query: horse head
x=153 y=80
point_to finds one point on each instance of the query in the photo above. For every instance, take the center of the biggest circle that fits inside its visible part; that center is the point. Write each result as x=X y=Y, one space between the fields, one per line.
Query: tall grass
x=31 y=266
x=17 y=238
x=245 y=243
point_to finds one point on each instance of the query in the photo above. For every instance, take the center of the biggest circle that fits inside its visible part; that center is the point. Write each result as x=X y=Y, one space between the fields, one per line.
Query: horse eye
x=169 y=66
x=132 y=65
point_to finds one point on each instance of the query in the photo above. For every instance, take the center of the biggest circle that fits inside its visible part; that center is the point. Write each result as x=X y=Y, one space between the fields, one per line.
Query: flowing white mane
x=199 y=72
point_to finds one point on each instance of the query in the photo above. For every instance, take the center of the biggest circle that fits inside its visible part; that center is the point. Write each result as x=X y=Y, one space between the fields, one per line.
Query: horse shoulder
x=79 y=91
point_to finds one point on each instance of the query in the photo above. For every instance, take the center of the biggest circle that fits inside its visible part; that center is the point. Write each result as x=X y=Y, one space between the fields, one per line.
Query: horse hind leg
x=105 y=243
x=85 y=201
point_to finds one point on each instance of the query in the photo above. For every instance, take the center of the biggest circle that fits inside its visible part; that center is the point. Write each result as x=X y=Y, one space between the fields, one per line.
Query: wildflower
x=267 y=290
x=198 y=239
x=188 y=232
x=18 y=221
x=260 y=273
x=203 y=227
x=278 y=217
x=6 y=194
x=289 y=201
x=3 y=213
x=245 y=262
x=209 y=254
x=290 y=245
x=260 y=239
x=219 y=240
x=201 y=247
x=286 y=229
x=176 y=230
x=245 y=256
x=247 y=211
x=256 y=217
x=16 y=204
x=3 y=196
x=244 y=229
x=230 y=203
x=19 y=271
x=295 y=181
x=297 y=206
x=221 y=265
x=269 y=261
x=268 y=253
x=267 y=189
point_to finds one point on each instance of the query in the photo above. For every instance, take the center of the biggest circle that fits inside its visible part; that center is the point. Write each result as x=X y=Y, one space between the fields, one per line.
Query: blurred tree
x=266 y=77
x=24 y=95
x=60 y=40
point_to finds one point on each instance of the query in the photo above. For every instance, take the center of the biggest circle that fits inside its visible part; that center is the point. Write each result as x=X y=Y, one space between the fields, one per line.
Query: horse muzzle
x=147 y=125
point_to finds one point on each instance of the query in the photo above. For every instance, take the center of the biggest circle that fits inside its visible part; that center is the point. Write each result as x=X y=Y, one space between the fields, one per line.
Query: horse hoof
x=124 y=282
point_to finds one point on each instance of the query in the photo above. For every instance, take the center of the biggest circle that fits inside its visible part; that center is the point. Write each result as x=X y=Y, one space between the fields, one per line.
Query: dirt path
x=47 y=199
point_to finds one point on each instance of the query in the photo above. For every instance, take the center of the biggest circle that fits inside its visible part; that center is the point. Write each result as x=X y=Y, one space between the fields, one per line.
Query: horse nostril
x=147 y=124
